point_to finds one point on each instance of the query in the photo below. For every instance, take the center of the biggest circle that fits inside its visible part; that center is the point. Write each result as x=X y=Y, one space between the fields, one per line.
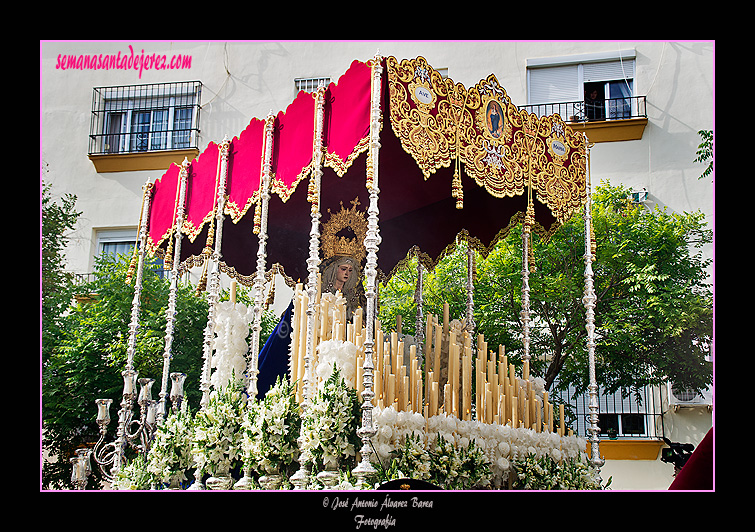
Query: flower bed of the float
x=272 y=437
x=458 y=454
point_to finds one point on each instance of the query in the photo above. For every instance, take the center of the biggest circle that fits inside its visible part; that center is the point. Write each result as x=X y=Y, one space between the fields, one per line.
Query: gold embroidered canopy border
x=454 y=161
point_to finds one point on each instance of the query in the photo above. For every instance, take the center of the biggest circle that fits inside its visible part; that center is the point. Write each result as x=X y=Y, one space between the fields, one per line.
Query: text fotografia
x=359 y=504
x=123 y=61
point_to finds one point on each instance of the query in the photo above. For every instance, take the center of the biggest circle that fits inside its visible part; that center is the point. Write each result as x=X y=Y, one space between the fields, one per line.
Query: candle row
x=329 y=323
x=453 y=379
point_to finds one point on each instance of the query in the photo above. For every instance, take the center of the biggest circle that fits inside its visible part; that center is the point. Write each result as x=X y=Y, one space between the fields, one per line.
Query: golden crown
x=334 y=244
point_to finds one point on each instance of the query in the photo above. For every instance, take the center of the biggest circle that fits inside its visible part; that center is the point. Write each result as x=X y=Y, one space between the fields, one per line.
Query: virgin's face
x=343 y=272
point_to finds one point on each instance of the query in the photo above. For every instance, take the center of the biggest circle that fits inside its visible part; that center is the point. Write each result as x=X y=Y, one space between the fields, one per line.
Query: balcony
x=144 y=127
x=608 y=120
x=631 y=423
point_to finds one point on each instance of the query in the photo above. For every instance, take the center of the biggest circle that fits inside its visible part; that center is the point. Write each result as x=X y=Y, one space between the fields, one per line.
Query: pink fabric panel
x=200 y=194
x=162 y=206
x=244 y=168
x=292 y=145
x=348 y=111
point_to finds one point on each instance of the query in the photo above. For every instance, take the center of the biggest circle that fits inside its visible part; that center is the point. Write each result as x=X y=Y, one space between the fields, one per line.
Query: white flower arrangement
x=216 y=442
x=328 y=426
x=496 y=448
x=547 y=473
x=271 y=430
x=133 y=475
x=170 y=458
x=336 y=354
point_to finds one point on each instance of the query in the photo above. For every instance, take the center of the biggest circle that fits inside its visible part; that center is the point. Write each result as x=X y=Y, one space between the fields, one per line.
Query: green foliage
x=87 y=358
x=57 y=284
x=654 y=314
x=705 y=152
x=654 y=302
x=545 y=473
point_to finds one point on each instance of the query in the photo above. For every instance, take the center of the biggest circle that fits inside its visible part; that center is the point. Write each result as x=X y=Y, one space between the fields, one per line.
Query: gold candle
x=358 y=384
x=538 y=419
x=514 y=412
x=466 y=386
x=391 y=396
x=488 y=404
x=447 y=398
x=413 y=374
x=433 y=398
x=358 y=320
x=436 y=354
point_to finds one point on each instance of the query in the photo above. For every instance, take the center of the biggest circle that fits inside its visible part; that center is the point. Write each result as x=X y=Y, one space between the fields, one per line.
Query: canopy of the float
x=453 y=161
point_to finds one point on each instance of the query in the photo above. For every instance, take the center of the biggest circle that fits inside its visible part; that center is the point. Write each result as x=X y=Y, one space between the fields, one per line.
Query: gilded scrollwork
x=415 y=90
x=504 y=149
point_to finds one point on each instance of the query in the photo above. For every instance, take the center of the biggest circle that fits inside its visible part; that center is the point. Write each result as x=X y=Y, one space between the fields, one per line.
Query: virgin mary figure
x=342 y=246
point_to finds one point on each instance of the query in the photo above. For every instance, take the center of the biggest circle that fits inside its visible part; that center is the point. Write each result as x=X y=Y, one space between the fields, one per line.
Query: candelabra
x=135 y=432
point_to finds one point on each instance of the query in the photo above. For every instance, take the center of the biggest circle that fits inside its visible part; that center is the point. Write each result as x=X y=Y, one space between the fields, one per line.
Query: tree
x=654 y=305
x=56 y=283
x=87 y=357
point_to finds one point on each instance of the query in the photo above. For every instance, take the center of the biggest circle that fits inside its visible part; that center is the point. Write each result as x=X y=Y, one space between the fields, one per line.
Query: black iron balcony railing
x=623 y=414
x=592 y=111
x=145 y=118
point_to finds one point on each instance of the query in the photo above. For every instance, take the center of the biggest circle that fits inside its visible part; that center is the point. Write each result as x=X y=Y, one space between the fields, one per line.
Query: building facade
x=115 y=114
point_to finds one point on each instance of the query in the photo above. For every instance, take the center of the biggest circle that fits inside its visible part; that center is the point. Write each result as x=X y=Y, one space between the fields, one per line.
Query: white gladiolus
x=230 y=344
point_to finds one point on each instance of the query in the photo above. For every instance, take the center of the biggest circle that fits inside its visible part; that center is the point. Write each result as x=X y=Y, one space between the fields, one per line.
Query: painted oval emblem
x=424 y=95
x=558 y=148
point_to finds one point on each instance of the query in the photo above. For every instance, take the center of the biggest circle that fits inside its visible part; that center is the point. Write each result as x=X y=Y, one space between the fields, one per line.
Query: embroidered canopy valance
x=454 y=161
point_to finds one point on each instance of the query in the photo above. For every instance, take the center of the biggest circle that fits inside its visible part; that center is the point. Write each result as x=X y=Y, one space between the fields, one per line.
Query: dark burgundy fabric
x=697 y=473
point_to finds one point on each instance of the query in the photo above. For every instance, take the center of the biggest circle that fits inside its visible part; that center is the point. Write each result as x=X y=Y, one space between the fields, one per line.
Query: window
x=588 y=87
x=114 y=242
x=145 y=118
x=628 y=413
x=310 y=84
x=622 y=425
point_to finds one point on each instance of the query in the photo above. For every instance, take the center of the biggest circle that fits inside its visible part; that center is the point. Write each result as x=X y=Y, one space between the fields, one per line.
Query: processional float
x=445 y=163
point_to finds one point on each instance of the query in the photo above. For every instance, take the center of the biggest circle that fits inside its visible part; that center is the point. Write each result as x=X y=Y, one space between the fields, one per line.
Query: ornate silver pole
x=525 y=313
x=259 y=280
x=170 y=313
x=529 y=220
x=470 y=326
x=252 y=370
x=129 y=375
x=589 y=301
x=301 y=477
x=313 y=262
x=371 y=244
x=213 y=288
x=419 y=323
